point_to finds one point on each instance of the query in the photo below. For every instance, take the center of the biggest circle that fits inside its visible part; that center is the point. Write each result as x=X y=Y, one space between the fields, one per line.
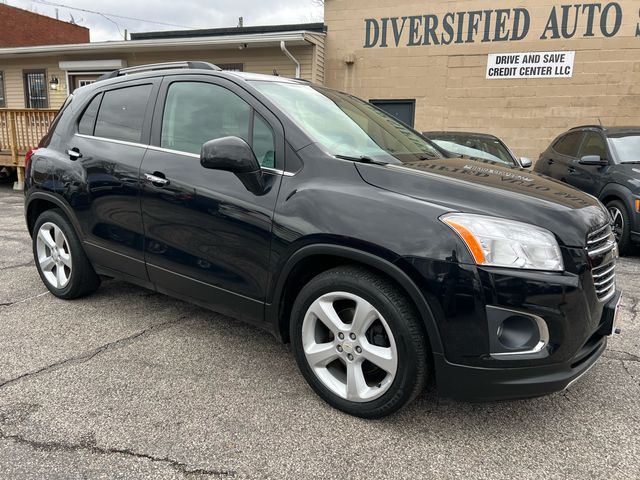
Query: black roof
x=608 y=130
x=216 y=32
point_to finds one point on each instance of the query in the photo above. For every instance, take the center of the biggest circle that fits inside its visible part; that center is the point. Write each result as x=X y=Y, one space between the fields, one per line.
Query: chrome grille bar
x=600 y=242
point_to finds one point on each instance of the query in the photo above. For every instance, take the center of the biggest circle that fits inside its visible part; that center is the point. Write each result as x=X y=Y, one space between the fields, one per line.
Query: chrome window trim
x=168 y=150
x=175 y=152
x=111 y=140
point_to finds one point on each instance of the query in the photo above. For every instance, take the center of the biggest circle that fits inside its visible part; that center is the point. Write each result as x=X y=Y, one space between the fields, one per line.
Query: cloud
x=181 y=15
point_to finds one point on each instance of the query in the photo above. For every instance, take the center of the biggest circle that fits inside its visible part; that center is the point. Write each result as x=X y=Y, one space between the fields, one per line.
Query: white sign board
x=530 y=65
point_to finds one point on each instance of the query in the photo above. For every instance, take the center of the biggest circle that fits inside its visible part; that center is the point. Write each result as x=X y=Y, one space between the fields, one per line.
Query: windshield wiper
x=362 y=159
x=632 y=162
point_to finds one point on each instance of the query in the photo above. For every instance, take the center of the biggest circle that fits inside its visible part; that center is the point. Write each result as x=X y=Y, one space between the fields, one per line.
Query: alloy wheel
x=54 y=255
x=349 y=346
x=618 y=222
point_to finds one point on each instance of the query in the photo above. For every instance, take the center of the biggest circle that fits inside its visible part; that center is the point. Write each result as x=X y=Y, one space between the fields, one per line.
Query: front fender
x=378 y=263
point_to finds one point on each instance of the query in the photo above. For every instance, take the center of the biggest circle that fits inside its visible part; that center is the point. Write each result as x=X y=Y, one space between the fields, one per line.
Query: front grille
x=599 y=243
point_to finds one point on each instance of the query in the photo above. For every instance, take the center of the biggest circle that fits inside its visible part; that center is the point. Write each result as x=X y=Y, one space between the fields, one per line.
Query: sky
x=180 y=14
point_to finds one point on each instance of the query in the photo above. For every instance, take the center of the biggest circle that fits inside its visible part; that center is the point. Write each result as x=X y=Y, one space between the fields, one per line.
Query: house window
x=35 y=89
x=403 y=110
x=2 y=101
x=231 y=67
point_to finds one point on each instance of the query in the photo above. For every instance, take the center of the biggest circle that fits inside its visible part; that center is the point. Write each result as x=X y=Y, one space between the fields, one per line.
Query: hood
x=483 y=187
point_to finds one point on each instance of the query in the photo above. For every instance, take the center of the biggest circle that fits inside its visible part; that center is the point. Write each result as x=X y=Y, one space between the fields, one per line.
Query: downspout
x=283 y=47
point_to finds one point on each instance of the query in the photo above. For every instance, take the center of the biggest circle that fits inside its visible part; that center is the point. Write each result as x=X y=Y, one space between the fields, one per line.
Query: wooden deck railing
x=22 y=129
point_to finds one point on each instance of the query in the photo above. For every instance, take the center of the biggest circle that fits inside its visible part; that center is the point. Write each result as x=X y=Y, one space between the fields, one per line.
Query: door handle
x=551 y=161
x=572 y=170
x=156 y=179
x=74 y=153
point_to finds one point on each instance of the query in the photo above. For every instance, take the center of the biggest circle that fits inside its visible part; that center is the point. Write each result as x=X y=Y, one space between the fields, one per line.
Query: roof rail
x=160 y=66
x=599 y=127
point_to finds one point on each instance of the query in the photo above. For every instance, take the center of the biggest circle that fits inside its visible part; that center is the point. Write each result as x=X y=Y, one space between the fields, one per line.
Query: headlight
x=506 y=243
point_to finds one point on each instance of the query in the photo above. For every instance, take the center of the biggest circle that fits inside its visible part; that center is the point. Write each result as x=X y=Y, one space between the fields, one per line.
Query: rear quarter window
x=87 y=121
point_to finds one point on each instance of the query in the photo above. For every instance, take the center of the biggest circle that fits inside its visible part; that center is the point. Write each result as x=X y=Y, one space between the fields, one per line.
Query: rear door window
x=569 y=145
x=122 y=112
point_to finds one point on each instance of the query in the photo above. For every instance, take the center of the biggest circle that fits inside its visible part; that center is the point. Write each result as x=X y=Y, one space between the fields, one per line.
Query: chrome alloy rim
x=618 y=222
x=54 y=255
x=349 y=346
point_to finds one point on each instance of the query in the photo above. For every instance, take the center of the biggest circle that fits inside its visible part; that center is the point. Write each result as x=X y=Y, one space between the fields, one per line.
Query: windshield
x=626 y=147
x=475 y=146
x=346 y=125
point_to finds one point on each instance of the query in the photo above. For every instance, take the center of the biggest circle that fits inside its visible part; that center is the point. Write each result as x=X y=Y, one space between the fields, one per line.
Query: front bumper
x=484 y=384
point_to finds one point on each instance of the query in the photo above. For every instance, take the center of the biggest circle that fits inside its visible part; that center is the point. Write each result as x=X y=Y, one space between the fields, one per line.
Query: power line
x=104 y=14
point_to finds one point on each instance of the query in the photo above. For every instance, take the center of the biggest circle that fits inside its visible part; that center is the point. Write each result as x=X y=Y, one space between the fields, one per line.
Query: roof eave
x=228 y=41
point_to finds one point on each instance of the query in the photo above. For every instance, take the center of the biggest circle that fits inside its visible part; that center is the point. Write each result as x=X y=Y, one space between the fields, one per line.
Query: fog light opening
x=518 y=332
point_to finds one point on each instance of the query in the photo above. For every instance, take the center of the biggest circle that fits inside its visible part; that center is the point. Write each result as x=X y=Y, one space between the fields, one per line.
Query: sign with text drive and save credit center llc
x=530 y=65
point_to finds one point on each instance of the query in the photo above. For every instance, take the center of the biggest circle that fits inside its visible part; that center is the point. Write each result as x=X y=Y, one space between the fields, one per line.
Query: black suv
x=604 y=162
x=318 y=217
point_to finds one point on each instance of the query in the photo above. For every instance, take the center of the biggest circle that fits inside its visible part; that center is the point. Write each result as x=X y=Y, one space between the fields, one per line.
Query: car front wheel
x=620 y=225
x=358 y=342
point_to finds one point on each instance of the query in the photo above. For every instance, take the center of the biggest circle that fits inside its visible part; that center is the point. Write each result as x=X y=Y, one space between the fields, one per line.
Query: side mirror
x=229 y=153
x=525 y=162
x=593 y=160
x=233 y=154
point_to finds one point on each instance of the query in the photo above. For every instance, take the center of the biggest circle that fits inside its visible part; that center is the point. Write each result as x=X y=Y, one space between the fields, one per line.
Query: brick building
x=430 y=63
x=21 y=28
x=525 y=72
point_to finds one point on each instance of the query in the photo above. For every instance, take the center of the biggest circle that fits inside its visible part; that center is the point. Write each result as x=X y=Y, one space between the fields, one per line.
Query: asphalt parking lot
x=128 y=383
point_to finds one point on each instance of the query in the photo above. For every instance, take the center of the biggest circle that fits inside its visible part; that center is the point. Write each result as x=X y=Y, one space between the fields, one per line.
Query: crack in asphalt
x=19 y=265
x=9 y=304
x=86 y=356
x=632 y=357
x=626 y=369
x=93 y=448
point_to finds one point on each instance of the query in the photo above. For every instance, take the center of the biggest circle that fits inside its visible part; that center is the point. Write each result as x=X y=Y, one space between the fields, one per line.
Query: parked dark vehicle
x=477 y=145
x=604 y=162
x=323 y=220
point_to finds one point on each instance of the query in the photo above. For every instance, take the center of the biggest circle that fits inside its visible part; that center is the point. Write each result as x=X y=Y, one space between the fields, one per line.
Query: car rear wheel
x=621 y=225
x=61 y=262
x=7 y=174
x=358 y=342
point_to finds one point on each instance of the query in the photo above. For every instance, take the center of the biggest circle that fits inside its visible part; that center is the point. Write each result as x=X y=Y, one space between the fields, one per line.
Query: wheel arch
x=38 y=202
x=309 y=261
x=615 y=191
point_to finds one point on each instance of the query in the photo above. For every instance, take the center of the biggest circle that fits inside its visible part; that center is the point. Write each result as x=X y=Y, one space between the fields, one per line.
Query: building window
x=231 y=67
x=2 y=101
x=35 y=89
x=403 y=110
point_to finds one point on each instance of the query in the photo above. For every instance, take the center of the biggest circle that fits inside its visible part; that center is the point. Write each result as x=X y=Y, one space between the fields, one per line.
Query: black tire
x=623 y=235
x=402 y=319
x=7 y=175
x=82 y=279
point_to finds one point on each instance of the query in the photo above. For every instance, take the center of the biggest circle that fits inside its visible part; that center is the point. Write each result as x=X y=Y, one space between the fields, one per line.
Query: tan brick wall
x=449 y=84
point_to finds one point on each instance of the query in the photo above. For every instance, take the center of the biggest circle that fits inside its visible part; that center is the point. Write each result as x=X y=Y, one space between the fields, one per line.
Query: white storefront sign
x=530 y=65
